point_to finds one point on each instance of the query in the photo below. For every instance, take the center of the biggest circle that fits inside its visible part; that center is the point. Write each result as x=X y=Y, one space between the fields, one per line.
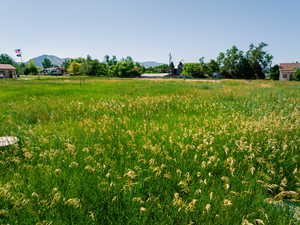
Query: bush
x=126 y=69
x=31 y=69
x=193 y=69
x=296 y=74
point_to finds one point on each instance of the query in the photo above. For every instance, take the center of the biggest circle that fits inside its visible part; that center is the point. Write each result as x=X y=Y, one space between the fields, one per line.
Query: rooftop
x=7 y=67
x=289 y=66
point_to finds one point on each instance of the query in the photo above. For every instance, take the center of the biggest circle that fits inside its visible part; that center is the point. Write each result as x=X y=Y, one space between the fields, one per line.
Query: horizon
x=149 y=31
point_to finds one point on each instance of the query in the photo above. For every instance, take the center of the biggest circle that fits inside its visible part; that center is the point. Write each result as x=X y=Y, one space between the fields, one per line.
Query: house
x=56 y=71
x=287 y=69
x=7 y=71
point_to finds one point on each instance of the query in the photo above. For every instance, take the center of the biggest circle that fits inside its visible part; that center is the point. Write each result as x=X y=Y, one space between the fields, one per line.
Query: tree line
x=110 y=66
x=255 y=63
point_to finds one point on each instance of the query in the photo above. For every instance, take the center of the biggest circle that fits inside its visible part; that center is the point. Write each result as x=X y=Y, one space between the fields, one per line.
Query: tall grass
x=143 y=152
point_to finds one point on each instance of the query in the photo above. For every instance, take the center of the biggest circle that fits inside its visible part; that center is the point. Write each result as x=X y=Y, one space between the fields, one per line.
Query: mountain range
x=150 y=64
x=59 y=61
x=54 y=59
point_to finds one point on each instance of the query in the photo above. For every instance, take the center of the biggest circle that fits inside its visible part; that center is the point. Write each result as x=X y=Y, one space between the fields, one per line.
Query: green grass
x=149 y=152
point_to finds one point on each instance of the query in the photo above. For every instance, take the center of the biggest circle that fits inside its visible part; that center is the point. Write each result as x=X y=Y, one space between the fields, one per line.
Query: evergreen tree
x=172 y=68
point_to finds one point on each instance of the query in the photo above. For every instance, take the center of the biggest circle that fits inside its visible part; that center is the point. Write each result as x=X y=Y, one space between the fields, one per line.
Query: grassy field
x=150 y=152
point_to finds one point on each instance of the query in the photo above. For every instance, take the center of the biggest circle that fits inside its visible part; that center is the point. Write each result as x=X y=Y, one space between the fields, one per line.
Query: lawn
x=129 y=151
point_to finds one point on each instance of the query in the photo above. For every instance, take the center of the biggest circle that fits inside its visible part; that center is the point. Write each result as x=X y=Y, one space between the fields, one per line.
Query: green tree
x=66 y=64
x=180 y=68
x=193 y=69
x=21 y=68
x=47 y=63
x=230 y=62
x=259 y=60
x=74 y=68
x=6 y=59
x=110 y=61
x=212 y=67
x=164 y=68
x=172 y=68
x=204 y=66
x=274 y=73
x=296 y=74
x=31 y=68
x=126 y=69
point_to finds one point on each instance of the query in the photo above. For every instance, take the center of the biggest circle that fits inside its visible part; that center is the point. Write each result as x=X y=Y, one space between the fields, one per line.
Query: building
x=287 y=69
x=7 y=71
x=55 y=71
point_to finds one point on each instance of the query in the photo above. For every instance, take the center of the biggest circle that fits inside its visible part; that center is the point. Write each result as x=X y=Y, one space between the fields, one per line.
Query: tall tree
x=126 y=69
x=212 y=67
x=6 y=59
x=47 y=63
x=296 y=74
x=74 y=68
x=230 y=62
x=193 y=69
x=259 y=60
x=274 y=73
x=21 y=68
x=179 y=68
x=172 y=68
x=31 y=68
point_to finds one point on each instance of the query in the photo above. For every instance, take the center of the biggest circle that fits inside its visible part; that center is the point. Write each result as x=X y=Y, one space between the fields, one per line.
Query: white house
x=287 y=69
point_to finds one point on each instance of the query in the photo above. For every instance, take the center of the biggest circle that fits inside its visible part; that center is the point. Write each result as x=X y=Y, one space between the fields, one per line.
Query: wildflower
x=208 y=207
x=178 y=171
x=143 y=209
x=35 y=195
x=3 y=212
x=177 y=201
x=73 y=164
x=226 y=186
x=57 y=171
x=227 y=202
x=198 y=191
x=167 y=175
x=246 y=222
x=87 y=150
x=192 y=204
x=259 y=221
x=137 y=199
x=92 y=215
x=283 y=182
x=27 y=155
x=44 y=222
x=252 y=169
x=131 y=174
x=75 y=202
x=89 y=168
x=56 y=198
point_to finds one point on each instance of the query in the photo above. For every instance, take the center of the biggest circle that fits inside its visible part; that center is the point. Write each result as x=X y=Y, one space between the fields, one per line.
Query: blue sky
x=149 y=30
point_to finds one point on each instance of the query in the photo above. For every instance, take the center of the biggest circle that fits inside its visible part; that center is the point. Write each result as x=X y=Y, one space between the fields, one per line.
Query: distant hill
x=151 y=64
x=54 y=59
x=59 y=61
